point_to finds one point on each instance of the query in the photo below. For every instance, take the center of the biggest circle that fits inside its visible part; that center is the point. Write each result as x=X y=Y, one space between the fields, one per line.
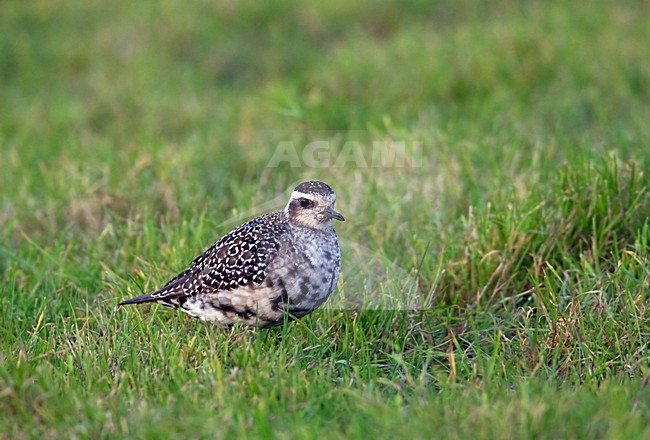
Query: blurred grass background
x=133 y=134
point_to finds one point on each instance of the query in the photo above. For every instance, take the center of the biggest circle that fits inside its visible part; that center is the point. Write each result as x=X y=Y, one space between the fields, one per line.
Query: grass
x=498 y=288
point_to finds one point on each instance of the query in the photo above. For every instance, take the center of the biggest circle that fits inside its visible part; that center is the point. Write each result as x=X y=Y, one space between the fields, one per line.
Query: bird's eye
x=305 y=203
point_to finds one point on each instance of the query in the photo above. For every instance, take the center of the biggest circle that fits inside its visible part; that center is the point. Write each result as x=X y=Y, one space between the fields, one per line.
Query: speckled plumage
x=283 y=261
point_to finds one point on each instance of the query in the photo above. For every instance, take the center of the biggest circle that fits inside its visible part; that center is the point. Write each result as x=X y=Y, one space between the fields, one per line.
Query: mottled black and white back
x=282 y=264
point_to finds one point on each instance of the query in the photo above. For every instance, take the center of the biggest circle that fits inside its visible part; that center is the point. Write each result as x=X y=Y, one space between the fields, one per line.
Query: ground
x=490 y=159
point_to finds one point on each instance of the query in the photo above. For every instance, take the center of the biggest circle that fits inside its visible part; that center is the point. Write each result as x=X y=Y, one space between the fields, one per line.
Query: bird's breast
x=306 y=271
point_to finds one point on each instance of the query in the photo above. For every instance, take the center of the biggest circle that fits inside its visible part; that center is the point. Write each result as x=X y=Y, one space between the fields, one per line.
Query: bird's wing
x=239 y=258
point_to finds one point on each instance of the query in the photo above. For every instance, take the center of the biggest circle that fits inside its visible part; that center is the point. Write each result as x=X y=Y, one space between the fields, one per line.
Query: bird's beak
x=331 y=213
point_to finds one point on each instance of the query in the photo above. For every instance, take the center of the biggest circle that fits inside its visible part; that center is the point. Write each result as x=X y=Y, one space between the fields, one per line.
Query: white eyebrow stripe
x=298 y=195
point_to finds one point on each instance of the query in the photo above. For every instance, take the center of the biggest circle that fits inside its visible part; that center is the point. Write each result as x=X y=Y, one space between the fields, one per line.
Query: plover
x=282 y=264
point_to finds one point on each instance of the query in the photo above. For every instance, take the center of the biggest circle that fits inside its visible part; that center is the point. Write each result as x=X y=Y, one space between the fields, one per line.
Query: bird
x=280 y=265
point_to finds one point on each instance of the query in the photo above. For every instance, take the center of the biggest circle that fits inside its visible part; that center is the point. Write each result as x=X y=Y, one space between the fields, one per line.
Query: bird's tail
x=147 y=297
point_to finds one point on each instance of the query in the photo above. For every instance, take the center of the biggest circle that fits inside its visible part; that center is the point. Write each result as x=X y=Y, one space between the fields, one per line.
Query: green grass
x=133 y=134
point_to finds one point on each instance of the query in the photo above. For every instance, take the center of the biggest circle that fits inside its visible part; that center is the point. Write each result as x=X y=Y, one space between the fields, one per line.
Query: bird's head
x=312 y=205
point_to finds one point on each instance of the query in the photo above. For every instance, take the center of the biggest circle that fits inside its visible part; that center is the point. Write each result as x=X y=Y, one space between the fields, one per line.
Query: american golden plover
x=283 y=262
